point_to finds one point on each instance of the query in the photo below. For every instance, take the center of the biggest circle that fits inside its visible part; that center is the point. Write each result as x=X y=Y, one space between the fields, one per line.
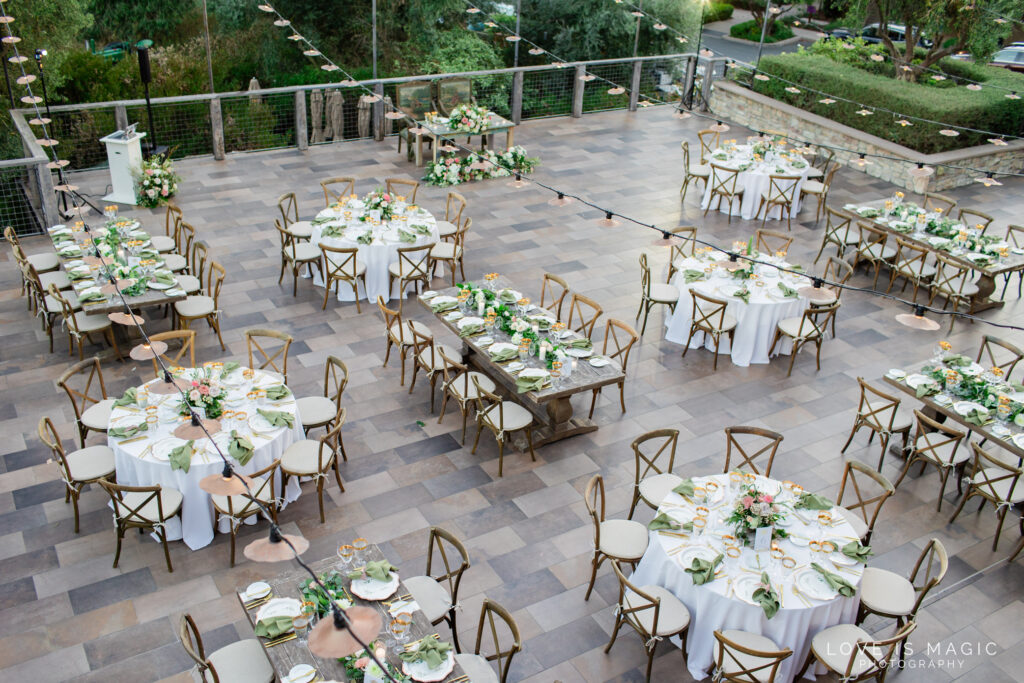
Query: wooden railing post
x=378 y=112
x=301 y=134
x=217 y=129
x=517 y=97
x=634 y=85
x=578 y=84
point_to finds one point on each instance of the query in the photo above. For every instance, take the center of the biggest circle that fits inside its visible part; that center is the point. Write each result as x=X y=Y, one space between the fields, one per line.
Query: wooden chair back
x=583 y=314
x=197 y=266
x=215 y=281
x=66 y=311
x=83 y=383
x=1015 y=235
x=339 y=263
x=1000 y=354
x=782 y=189
x=641 y=609
x=619 y=337
x=414 y=99
x=329 y=443
x=814 y=321
x=936 y=440
x=454 y=205
x=736 y=663
x=171 y=219
x=765 y=441
x=877 y=654
x=686 y=156
x=645 y=277
x=593 y=498
x=709 y=142
x=910 y=258
x=186 y=233
x=451 y=92
x=938 y=202
x=723 y=180
x=974 y=218
x=993 y=476
x=289 y=207
x=454 y=371
x=392 y=319
x=263 y=484
x=950 y=277
x=708 y=313
x=193 y=644
x=650 y=452
x=130 y=514
x=770 y=241
x=51 y=439
x=504 y=645
x=267 y=352
x=557 y=288
x=335 y=379
x=837 y=270
x=403 y=187
x=869 y=488
x=453 y=556
x=872 y=238
x=489 y=406
x=337 y=189
x=929 y=570
x=413 y=261
x=187 y=344
x=876 y=409
x=683 y=246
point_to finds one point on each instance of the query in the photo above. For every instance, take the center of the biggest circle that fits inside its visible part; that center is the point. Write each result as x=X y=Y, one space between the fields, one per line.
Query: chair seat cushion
x=465 y=389
x=834 y=646
x=407 y=270
x=917 y=269
x=814 y=172
x=194 y=306
x=664 y=294
x=813 y=187
x=728 y=323
x=623 y=539
x=735 y=661
x=238 y=503
x=170 y=500
x=699 y=170
x=43 y=262
x=445 y=250
x=174 y=262
x=654 y=488
x=91 y=323
x=673 y=616
x=477 y=668
x=512 y=416
x=446 y=229
x=316 y=410
x=791 y=328
x=1006 y=488
x=53 y=306
x=401 y=335
x=304 y=251
x=91 y=463
x=301 y=229
x=348 y=270
x=97 y=416
x=163 y=243
x=886 y=592
x=875 y=252
x=968 y=288
x=303 y=458
x=243 y=661
x=433 y=598
x=437 y=363
x=856 y=520
x=942 y=454
x=848 y=237
x=189 y=283
x=57 y=278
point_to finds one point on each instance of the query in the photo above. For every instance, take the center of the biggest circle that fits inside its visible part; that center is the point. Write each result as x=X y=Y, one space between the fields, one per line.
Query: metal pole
x=636 y=37
x=7 y=77
x=700 y=32
x=149 y=111
x=373 y=11
x=515 y=45
x=764 y=29
x=209 y=56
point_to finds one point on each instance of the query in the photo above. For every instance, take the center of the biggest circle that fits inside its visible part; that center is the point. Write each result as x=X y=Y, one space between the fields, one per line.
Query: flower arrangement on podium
x=380 y=200
x=468 y=118
x=205 y=395
x=156 y=182
x=755 y=510
x=450 y=169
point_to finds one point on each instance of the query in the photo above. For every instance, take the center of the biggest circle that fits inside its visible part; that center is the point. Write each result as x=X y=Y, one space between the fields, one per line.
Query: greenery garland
x=450 y=169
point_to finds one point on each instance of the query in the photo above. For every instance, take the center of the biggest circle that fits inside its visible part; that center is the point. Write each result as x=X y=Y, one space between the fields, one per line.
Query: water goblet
x=360 y=545
x=345 y=554
x=699 y=525
x=399 y=628
x=556 y=373
x=524 y=351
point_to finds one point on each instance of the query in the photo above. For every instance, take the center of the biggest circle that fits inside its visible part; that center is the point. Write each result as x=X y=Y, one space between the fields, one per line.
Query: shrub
x=749 y=30
x=717 y=11
x=987 y=109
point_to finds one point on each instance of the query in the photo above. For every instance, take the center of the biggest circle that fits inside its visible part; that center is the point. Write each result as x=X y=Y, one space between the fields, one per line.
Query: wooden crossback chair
x=746 y=457
x=691 y=172
x=853 y=655
x=879 y=412
x=454 y=561
x=936 y=444
x=838 y=231
x=781 y=193
x=623 y=540
x=187 y=341
x=709 y=140
x=92 y=411
x=652 y=475
x=289 y=208
x=78 y=468
x=402 y=187
x=934 y=201
x=709 y=316
x=873 y=248
x=809 y=328
x=206 y=306
x=739 y=661
x=583 y=314
x=341 y=264
x=973 y=218
x=621 y=337
x=770 y=241
x=683 y=246
x=337 y=189
x=724 y=185
x=993 y=349
x=411 y=267
x=912 y=265
x=953 y=283
x=494 y=615
x=653 y=293
x=134 y=509
x=996 y=481
x=868 y=503
x=1015 y=238
x=266 y=355
x=243 y=660
x=557 y=288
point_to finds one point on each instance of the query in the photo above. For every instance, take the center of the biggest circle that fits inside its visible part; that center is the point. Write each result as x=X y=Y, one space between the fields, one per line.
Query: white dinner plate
x=453 y=316
x=153 y=284
x=485 y=340
x=965 y=407
x=517 y=295
x=686 y=558
x=256 y=590
x=266 y=378
x=579 y=353
x=895 y=373
x=942 y=399
x=916 y=380
x=838 y=558
x=162 y=449
x=799 y=541
x=279 y=607
x=501 y=346
x=1018 y=440
x=442 y=299
x=368 y=589
x=301 y=673
x=515 y=366
x=420 y=671
x=429 y=294
x=469 y=320
x=534 y=372
x=972 y=370
x=258 y=423
x=757 y=562
x=599 y=361
x=744 y=586
x=811 y=582
x=565 y=334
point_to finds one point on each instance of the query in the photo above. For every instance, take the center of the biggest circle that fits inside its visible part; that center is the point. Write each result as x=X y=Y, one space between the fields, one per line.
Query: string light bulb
x=608 y=221
x=560 y=200
x=664 y=241
x=861 y=161
x=343 y=635
x=518 y=182
x=917 y=320
x=274 y=548
x=987 y=180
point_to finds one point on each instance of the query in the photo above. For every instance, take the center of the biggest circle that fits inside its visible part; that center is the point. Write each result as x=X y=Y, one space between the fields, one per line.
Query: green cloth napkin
x=836 y=582
x=181 y=457
x=581 y=343
x=443 y=306
x=507 y=296
x=59 y=237
x=378 y=570
x=856 y=551
x=229 y=367
x=797 y=267
x=320 y=220
x=79 y=273
x=277 y=418
x=127 y=398
x=504 y=355
x=407 y=237
x=685 y=488
x=798 y=164
x=788 y=291
x=94 y=295
x=421 y=228
x=743 y=295
x=926 y=389
x=977 y=416
x=164 y=278
x=663 y=521
x=524 y=384
x=957 y=360
x=766 y=597
x=470 y=329
x=703 y=571
x=240 y=448
x=430 y=650
x=365 y=238
x=813 y=501
x=542 y=323
x=332 y=231
x=692 y=275
x=278 y=392
x=127 y=432
x=272 y=627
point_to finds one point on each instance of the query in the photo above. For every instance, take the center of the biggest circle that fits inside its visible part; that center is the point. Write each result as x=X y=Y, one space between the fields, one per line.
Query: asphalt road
x=746 y=52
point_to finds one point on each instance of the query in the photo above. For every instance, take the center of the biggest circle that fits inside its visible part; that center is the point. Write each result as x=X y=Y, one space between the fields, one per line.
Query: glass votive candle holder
x=733 y=551
x=788 y=562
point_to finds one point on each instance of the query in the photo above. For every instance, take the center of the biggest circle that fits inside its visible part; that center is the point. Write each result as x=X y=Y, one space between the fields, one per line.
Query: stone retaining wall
x=759 y=112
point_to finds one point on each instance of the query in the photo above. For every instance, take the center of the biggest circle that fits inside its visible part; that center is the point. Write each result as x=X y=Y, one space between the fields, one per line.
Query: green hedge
x=717 y=11
x=987 y=109
x=749 y=30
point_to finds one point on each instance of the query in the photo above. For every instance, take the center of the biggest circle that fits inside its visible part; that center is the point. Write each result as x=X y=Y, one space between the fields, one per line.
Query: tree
x=761 y=12
x=51 y=25
x=938 y=28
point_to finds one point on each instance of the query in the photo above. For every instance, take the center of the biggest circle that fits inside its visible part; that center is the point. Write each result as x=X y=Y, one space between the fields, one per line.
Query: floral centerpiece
x=359 y=665
x=157 y=182
x=382 y=201
x=991 y=389
x=450 y=169
x=336 y=593
x=468 y=118
x=755 y=510
x=205 y=394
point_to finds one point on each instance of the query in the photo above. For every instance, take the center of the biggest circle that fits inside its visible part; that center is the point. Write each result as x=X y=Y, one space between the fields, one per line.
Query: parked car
x=872 y=33
x=1010 y=58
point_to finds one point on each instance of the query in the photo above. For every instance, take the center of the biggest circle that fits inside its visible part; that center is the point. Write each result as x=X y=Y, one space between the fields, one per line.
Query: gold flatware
x=679 y=549
x=278 y=641
x=415 y=643
x=676 y=534
x=258 y=601
x=803 y=598
x=134 y=438
x=461 y=678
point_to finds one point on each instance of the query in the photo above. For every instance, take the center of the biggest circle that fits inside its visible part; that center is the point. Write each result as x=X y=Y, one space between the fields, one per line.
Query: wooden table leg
x=508 y=138
x=981 y=300
x=419 y=150
x=433 y=146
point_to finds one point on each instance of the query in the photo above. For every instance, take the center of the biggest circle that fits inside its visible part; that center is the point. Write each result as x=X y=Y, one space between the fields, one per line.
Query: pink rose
x=149 y=171
x=205 y=391
x=387 y=197
x=747 y=502
x=764 y=498
x=164 y=192
x=195 y=383
x=362 y=662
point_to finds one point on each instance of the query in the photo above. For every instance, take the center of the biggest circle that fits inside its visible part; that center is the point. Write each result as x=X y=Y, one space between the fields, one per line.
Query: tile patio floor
x=65 y=614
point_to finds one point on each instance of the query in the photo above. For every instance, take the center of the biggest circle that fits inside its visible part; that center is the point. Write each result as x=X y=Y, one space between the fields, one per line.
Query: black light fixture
x=146 y=74
x=40 y=53
x=561 y=200
x=608 y=221
x=917 y=321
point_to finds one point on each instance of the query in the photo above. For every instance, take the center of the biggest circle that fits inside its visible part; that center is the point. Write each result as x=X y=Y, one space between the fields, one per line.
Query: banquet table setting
x=252 y=422
x=786 y=589
x=756 y=162
x=377 y=232
x=759 y=297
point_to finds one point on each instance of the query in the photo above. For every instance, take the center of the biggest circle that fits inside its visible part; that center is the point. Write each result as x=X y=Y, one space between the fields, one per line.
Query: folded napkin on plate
x=926 y=389
x=378 y=570
x=333 y=231
x=692 y=275
x=430 y=650
x=148 y=253
x=405 y=236
x=470 y=329
x=788 y=291
x=277 y=418
x=957 y=360
x=743 y=295
x=854 y=550
x=181 y=457
x=79 y=272
x=797 y=267
x=229 y=367
x=766 y=597
x=70 y=250
x=524 y=384
x=240 y=448
x=507 y=296
x=320 y=220
x=164 y=278
x=581 y=343
x=421 y=228
x=901 y=227
x=278 y=392
x=365 y=238
x=443 y=306
x=128 y=398
x=503 y=355
x=91 y=294
x=685 y=488
x=977 y=416
x=127 y=432
x=272 y=627
x=813 y=501
x=663 y=521
x=836 y=582
x=799 y=164
x=703 y=571
x=59 y=237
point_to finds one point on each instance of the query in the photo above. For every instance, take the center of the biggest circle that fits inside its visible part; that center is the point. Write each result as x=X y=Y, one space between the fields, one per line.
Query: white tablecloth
x=793 y=625
x=378 y=255
x=755 y=321
x=754 y=180
x=136 y=466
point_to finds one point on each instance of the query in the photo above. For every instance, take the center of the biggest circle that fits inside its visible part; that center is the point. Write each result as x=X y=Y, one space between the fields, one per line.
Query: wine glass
x=345 y=554
x=556 y=373
x=360 y=545
x=399 y=628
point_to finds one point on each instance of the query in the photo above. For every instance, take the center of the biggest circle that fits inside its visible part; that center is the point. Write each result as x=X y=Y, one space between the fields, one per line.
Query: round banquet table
x=718 y=606
x=756 y=321
x=139 y=462
x=754 y=179
x=381 y=252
